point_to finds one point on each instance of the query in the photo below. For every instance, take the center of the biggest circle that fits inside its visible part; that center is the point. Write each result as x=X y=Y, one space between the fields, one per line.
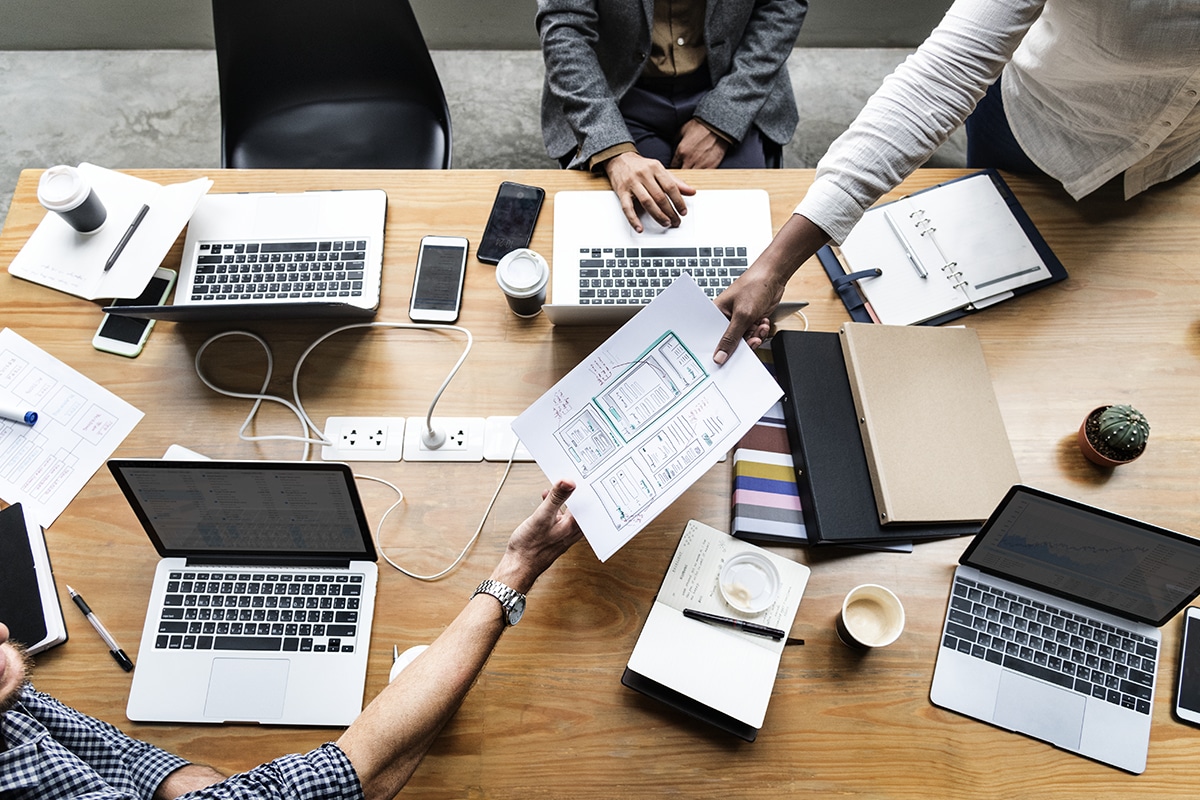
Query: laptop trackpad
x=246 y=689
x=1047 y=712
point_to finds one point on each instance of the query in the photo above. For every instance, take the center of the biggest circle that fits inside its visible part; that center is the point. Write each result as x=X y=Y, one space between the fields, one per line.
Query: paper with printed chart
x=641 y=418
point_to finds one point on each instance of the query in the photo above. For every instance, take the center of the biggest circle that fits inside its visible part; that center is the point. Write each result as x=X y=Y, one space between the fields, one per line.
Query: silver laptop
x=262 y=604
x=1052 y=624
x=604 y=272
x=266 y=255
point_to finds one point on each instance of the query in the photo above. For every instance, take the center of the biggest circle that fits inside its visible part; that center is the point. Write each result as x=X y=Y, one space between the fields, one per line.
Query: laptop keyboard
x=635 y=276
x=1038 y=639
x=279 y=270
x=271 y=611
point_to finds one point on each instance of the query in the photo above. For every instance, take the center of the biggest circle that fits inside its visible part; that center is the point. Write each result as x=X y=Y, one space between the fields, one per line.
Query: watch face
x=517 y=610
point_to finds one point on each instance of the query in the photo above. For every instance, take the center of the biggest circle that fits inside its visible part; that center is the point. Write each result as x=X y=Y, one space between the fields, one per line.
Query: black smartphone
x=438 y=284
x=510 y=226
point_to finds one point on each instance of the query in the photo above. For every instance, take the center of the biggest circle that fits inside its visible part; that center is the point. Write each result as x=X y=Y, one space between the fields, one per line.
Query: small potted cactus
x=1113 y=435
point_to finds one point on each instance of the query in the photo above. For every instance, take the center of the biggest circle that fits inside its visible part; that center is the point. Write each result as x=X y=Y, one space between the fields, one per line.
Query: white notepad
x=958 y=245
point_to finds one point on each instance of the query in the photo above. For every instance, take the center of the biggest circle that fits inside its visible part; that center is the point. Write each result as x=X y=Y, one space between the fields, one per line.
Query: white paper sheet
x=60 y=257
x=646 y=414
x=80 y=424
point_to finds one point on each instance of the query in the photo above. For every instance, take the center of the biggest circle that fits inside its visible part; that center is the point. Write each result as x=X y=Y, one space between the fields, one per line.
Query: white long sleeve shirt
x=1092 y=88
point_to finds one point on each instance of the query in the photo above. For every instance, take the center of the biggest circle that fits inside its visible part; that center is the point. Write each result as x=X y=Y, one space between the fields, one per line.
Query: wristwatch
x=510 y=599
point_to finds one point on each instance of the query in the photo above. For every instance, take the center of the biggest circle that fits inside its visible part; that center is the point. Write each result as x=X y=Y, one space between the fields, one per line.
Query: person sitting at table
x=1080 y=90
x=634 y=87
x=49 y=750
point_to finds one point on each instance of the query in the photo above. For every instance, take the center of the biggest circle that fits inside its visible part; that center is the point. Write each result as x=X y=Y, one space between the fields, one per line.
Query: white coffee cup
x=63 y=190
x=523 y=275
x=871 y=616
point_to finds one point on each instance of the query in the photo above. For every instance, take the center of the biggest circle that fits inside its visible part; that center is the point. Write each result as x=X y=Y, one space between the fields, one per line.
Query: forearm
x=389 y=739
x=187 y=779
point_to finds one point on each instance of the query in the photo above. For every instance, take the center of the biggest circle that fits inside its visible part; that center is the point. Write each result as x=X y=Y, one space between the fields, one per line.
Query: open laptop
x=1052 y=624
x=264 y=255
x=262 y=604
x=604 y=272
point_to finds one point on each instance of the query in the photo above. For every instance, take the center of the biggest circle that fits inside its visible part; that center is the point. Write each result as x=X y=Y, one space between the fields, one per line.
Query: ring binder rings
x=968 y=242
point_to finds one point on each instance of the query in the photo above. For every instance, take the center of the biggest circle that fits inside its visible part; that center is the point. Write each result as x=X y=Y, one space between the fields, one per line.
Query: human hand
x=641 y=182
x=538 y=541
x=698 y=148
x=747 y=302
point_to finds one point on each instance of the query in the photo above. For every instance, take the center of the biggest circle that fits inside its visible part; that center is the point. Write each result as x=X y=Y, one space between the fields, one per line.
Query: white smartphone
x=126 y=336
x=438 y=285
x=1187 y=694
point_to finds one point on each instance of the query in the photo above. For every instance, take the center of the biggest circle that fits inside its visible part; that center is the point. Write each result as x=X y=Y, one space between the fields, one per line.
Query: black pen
x=113 y=647
x=141 y=215
x=731 y=622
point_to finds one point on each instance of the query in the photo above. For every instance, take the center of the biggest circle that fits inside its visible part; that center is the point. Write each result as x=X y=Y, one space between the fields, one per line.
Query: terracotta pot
x=1090 y=452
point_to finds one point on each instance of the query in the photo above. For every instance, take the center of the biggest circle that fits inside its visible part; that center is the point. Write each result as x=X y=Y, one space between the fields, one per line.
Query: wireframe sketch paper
x=646 y=414
x=80 y=424
x=57 y=256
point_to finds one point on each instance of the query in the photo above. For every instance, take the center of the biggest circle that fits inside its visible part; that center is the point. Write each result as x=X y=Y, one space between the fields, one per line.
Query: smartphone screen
x=510 y=226
x=437 y=288
x=128 y=329
x=1188 y=699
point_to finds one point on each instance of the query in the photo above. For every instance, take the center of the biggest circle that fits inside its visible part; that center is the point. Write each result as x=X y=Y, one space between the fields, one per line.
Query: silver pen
x=912 y=257
x=117 y=653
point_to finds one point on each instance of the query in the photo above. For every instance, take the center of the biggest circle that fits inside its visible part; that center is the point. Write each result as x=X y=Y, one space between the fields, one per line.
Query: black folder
x=28 y=603
x=832 y=476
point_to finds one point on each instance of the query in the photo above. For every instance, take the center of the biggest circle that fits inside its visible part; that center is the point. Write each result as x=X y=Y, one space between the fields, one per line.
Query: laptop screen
x=247 y=508
x=1130 y=568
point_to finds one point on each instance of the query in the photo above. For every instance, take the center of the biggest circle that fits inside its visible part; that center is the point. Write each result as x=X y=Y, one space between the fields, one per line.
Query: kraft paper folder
x=28 y=597
x=941 y=253
x=832 y=476
x=716 y=674
x=931 y=427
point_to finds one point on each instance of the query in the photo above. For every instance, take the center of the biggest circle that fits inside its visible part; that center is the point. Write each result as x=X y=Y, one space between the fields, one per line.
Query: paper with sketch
x=80 y=424
x=60 y=257
x=725 y=669
x=646 y=414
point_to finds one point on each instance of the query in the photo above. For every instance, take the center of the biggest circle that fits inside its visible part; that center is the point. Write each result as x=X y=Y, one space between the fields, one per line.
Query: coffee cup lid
x=749 y=582
x=62 y=188
x=522 y=273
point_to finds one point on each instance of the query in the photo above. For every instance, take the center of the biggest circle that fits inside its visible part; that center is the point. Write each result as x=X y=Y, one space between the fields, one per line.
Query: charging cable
x=432 y=438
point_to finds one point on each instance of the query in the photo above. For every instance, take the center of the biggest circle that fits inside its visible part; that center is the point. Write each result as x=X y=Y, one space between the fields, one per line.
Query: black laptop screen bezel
x=117 y=467
x=965 y=558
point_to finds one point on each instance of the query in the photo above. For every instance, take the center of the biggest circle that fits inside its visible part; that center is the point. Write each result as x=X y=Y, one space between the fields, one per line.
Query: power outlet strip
x=364 y=439
x=464 y=439
x=498 y=441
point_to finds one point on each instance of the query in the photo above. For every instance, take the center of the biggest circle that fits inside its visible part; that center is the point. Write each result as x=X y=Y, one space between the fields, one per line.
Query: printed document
x=646 y=414
x=79 y=425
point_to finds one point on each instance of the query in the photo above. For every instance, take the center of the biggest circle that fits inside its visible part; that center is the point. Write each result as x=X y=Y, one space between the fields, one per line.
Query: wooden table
x=549 y=717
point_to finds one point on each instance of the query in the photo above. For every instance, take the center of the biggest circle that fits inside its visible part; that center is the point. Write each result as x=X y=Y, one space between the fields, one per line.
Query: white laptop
x=262 y=604
x=1052 y=624
x=265 y=255
x=604 y=272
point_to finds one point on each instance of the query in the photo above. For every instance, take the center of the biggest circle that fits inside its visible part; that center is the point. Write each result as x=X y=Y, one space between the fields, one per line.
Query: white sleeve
x=916 y=109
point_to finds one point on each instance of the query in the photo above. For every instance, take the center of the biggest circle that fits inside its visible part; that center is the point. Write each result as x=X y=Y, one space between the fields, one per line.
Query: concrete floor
x=159 y=108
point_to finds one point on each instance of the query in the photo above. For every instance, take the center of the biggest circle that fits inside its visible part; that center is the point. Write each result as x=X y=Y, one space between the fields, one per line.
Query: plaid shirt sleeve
x=322 y=774
x=73 y=755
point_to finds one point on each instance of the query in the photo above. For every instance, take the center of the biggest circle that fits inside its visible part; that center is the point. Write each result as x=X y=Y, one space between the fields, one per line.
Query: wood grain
x=549 y=718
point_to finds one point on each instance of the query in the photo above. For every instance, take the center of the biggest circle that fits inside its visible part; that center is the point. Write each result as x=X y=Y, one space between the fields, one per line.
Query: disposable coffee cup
x=522 y=276
x=66 y=192
x=871 y=616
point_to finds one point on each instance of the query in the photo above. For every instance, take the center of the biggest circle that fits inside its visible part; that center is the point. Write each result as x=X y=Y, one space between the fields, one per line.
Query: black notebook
x=832 y=476
x=28 y=597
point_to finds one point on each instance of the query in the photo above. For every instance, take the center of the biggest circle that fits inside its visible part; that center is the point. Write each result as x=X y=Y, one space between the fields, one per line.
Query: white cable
x=295 y=406
x=470 y=542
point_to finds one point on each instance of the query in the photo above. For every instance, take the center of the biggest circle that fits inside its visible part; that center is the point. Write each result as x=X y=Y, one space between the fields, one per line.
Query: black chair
x=327 y=84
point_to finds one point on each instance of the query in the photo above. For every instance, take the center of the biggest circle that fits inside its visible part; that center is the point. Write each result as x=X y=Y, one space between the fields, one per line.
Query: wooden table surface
x=549 y=716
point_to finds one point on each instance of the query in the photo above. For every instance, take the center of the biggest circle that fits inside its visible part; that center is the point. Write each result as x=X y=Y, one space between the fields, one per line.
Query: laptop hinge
x=233 y=561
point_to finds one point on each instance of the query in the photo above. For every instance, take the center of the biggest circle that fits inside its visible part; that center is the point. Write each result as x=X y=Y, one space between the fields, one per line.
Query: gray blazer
x=595 y=51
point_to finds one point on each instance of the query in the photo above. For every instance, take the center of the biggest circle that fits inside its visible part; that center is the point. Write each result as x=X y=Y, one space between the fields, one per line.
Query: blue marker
x=17 y=414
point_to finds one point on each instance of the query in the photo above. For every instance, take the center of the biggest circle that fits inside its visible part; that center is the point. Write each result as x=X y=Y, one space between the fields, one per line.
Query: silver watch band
x=512 y=601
